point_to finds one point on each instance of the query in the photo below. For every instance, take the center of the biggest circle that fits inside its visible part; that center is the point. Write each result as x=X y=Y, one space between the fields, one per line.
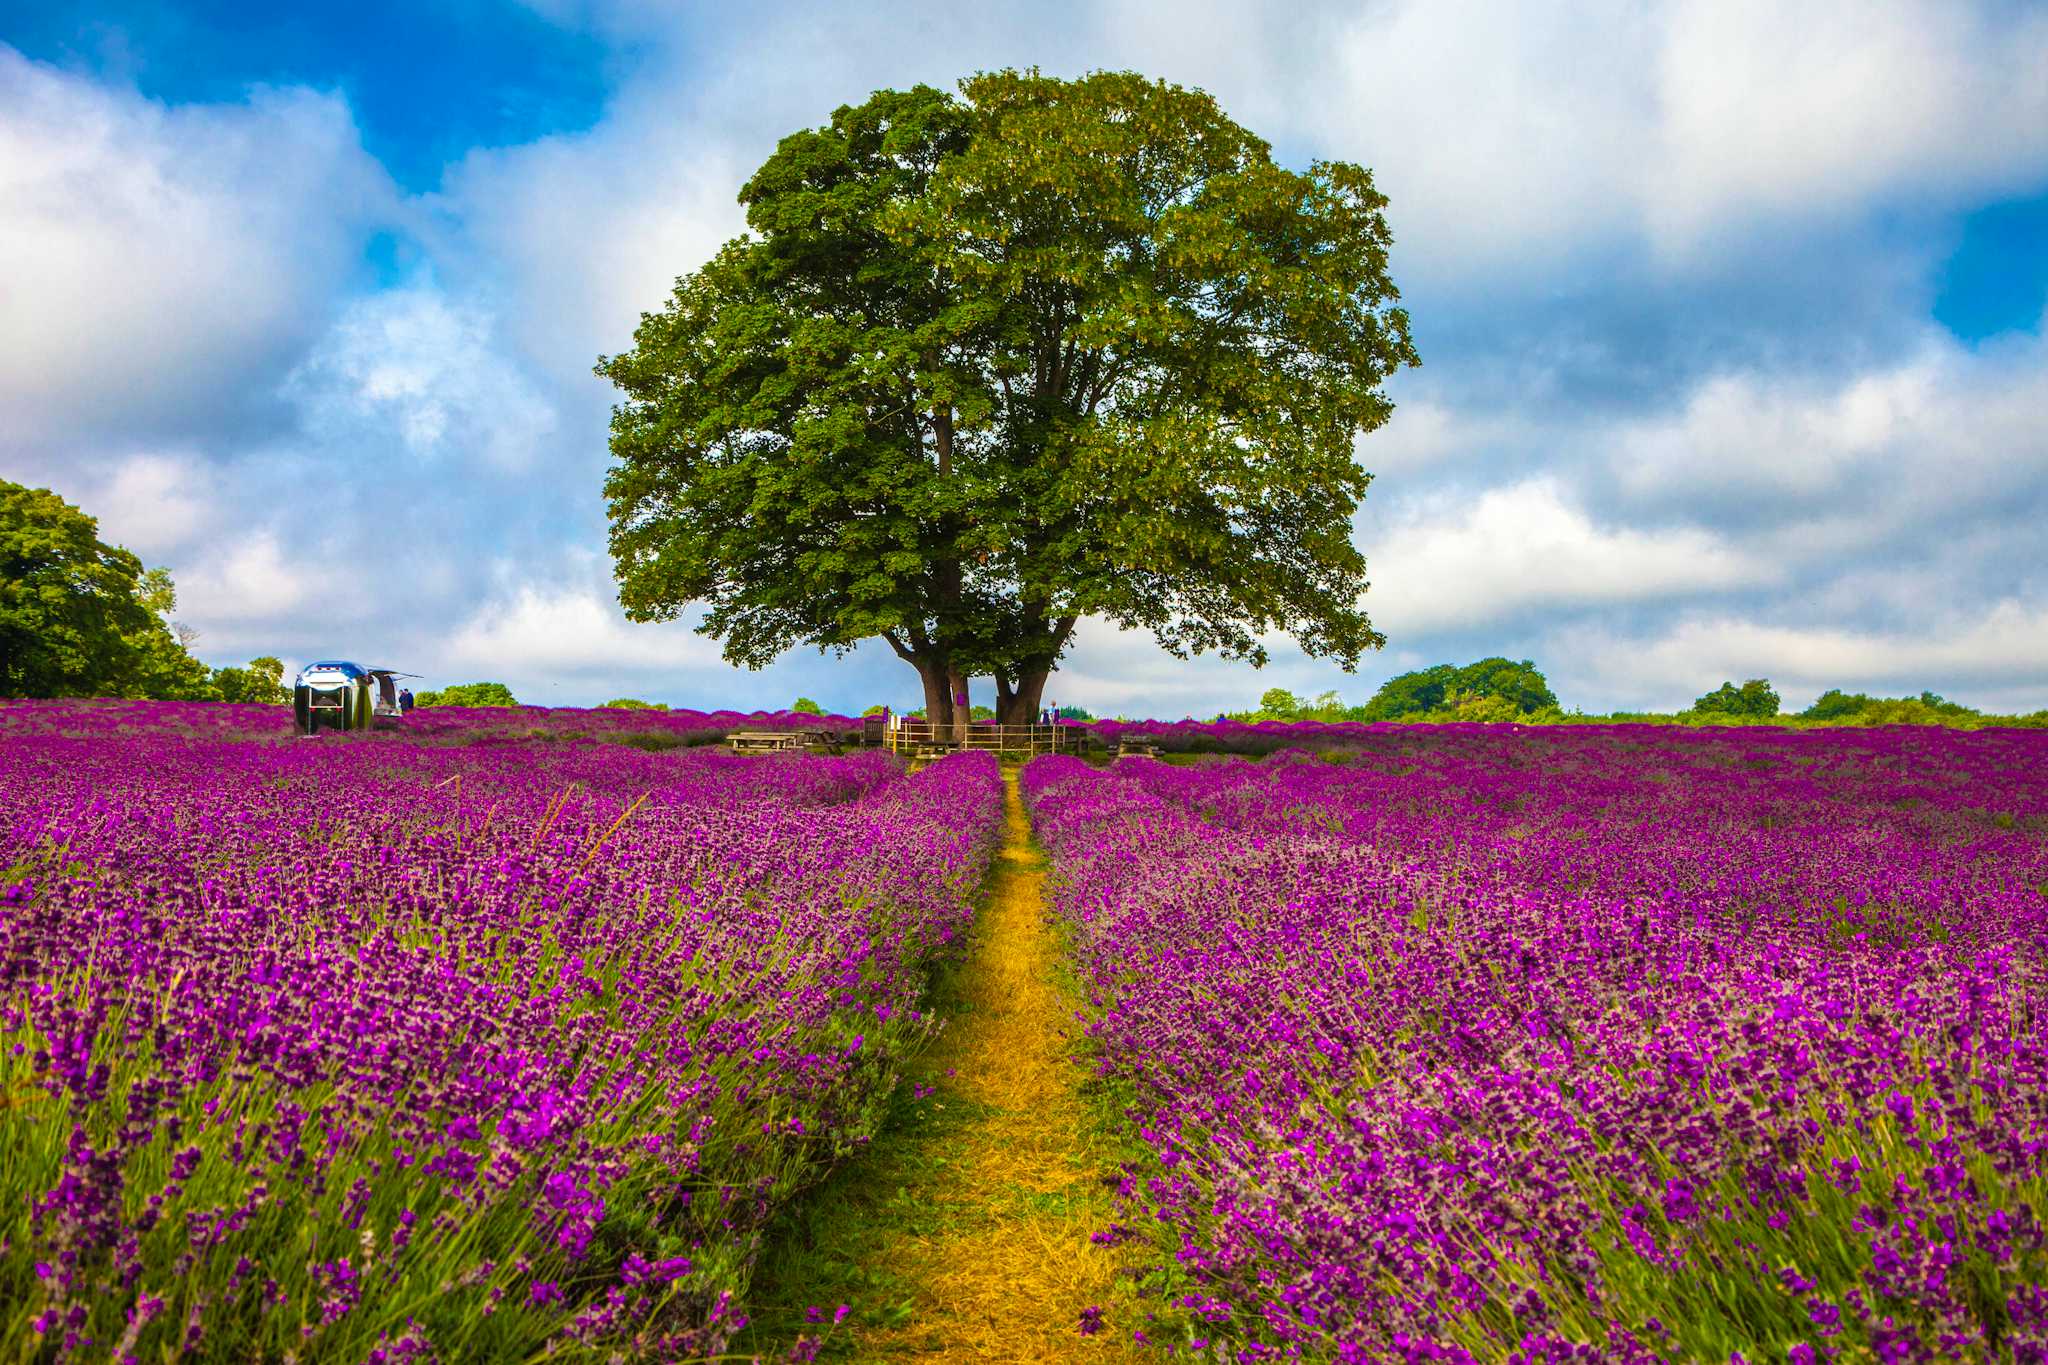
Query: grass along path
x=963 y=1232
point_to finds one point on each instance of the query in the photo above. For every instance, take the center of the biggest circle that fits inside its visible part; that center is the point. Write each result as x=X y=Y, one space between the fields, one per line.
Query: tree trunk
x=938 y=697
x=1020 y=706
x=962 y=705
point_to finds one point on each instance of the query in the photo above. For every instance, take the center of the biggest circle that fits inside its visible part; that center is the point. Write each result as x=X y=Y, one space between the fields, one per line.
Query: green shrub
x=469 y=694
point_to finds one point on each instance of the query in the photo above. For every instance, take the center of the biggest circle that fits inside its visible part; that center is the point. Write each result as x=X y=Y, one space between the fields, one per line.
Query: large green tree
x=73 y=616
x=987 y=364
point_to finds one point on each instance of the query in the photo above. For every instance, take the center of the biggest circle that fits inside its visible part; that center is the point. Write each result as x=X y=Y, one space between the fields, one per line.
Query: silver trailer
x=338 y=695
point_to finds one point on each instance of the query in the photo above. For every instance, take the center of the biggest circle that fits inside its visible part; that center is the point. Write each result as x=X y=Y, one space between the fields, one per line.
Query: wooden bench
x=764 y=741
x=1136 y=748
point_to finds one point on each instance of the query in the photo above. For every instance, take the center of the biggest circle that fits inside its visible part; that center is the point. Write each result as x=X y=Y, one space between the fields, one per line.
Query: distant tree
x=1327 y=706
x=635 y=704
x=980 y=712
x=1857 y=708
x=1412 y=694
x=804 y=706
x=986 y=365
x=469 y=694
x=69 y=604
x=1754 y=700
x=1277 y=703
x=165 y=670
x=1928 y=708
x=1074 y=713
x=1520 y=685
x=878 y=709
x=1475 y=706
x=262 y=681
x=1835 y=704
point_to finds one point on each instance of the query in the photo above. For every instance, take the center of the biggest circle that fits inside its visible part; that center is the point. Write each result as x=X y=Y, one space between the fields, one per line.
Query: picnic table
x=1137 y=748
x=764 y=741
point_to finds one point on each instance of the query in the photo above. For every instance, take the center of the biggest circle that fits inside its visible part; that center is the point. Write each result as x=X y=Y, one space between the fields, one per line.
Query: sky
x=1730 y=316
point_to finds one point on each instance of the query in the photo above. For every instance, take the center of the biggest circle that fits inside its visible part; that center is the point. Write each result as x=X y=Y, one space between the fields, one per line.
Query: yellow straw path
x=963 y=1232
x=1005 y=1268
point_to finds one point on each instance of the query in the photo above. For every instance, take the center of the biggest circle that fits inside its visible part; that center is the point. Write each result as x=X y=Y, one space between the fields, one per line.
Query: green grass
x=819 y=1251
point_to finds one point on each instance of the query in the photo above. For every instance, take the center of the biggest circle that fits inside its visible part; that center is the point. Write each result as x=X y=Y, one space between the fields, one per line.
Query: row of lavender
x=349 y=1050
x=87 y=718
x=1569 y=1045
x=1258 y=738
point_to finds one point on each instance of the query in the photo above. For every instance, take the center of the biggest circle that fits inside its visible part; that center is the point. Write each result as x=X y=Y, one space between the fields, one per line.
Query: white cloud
x=1995 y=657
x=1947 y=428
x=580 y=234
x=1824 y=106
x=161 y=261
x=152 y=502
x=568 y=631
x=1504 y=131
x=252 y=579
x=1425 y=435
x=409 y=364
x=1456 y=564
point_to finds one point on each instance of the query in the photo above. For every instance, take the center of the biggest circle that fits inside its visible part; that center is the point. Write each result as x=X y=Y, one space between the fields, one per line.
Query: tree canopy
x=1756 y=699
x=261 y=681
x=470 y=694
x=79 y=617
x=1519 y=686
x=984 y=365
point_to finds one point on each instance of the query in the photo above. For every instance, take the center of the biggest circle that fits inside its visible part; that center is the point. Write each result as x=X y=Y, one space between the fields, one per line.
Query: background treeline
x=80 y=618
x=1499 y=689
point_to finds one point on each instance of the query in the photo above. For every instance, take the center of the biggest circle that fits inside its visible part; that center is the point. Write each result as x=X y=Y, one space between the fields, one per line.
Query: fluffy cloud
x=1824 y=107
x=165 y=264
x=573 y=630
x=567 y=643
x=577 y=235
x=411 y=363
x=1950 y=429
x=154 y=503
x=1997 y=654
x=1457 y=564
x=1506 y=130
x=253 y=579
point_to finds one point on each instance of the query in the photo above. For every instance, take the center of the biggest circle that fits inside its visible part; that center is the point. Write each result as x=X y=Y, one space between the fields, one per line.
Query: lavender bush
x=1619 y=1044
x=357 y=1049
x=435 y=724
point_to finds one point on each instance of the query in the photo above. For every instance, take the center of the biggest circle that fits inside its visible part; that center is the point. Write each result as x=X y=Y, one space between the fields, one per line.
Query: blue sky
x=1731 y=317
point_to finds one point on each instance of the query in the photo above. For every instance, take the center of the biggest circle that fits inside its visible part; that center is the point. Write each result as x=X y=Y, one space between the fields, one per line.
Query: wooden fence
x=916 y=736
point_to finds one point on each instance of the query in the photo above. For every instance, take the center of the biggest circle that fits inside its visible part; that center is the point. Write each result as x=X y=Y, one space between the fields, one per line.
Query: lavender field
x=517 y=1034
x=1548 y=1045
x=373 y=1049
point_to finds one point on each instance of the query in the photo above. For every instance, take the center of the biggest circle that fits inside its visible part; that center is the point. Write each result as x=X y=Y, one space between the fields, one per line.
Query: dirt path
x=964 y=1233
x=1007 y=1267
